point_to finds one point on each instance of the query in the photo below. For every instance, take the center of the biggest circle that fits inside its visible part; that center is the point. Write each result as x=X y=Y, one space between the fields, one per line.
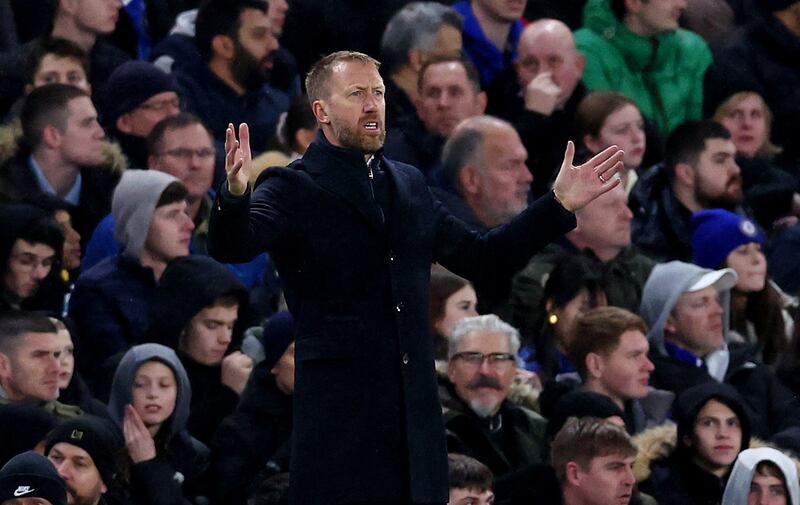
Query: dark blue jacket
x=368 y=425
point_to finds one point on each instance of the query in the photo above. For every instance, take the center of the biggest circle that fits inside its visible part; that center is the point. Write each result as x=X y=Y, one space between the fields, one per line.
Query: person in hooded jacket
x=687 y=309
x=254 y=442
x=150 y=398
x=713 y=427
x=194 y=311
x=762 y=476
x=30 y=259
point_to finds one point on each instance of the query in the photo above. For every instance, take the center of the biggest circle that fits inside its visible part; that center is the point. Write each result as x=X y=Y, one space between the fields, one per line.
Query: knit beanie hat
x=131 y=84
x=31 y=475
x=95 y=435
x=133 y=204
x=717 y=232
x=22 y=426
x=277 y=335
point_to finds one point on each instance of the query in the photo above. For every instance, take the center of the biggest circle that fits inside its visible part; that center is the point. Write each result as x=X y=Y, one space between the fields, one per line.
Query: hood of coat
x=122 y=385
x=738 y=487
x=11 y=145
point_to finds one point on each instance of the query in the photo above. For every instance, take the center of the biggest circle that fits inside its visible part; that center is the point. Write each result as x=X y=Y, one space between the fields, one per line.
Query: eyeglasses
x=27 y=262
x=185 y=153
x=495 y=359
x=174 y=103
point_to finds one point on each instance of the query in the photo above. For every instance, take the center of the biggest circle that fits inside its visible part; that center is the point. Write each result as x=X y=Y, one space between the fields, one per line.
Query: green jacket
x=662 y=74
x=623 y=279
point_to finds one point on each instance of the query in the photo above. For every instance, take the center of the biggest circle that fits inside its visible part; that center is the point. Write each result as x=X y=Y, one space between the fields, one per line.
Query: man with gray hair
x=480 y=420
x=484 y=168
x=418 y=32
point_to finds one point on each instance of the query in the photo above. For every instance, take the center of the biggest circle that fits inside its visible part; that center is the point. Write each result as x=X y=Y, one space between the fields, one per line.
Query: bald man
x=540 y=95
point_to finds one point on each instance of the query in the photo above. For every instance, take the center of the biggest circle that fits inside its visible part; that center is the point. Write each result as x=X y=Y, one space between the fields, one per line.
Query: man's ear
x=319 y=108
x=594 y=365
x=51 y=136
x=684 y=174
x=5 y=366
x=416 y=60
x=223 y=46
x=670 y=327
x=573 y=473
x=481 y=102
x=469 y=180
x=123 y=123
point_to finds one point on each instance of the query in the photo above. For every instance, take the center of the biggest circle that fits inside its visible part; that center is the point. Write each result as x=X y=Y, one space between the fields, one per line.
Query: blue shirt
x=489 y=60
x=73 y=196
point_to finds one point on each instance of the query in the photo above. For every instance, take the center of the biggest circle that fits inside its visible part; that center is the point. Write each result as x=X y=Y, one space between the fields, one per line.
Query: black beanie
x=130 y=85
x=97 y=436
x=31 y=475
x=581 y=404
x=277 y=334
x=22 y=426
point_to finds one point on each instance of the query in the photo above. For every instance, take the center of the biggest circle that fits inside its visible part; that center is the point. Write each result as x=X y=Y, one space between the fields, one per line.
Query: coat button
x=405 y=358
x=399 y=306
x=391 y=255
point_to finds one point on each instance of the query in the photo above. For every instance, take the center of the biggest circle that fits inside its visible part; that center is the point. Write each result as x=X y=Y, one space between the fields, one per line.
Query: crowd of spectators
x=650 y=355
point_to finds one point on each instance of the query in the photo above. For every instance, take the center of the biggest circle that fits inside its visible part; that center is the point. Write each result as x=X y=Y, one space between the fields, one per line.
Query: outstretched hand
x=577 y=186
x=237 y=159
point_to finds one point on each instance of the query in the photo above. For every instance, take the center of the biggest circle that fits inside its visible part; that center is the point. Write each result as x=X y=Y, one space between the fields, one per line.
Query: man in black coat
x=353 y=235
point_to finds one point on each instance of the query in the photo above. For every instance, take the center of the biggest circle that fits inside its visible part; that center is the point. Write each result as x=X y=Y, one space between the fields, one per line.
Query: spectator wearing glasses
x=180 y=146
x=137 y=97
x=480 y=420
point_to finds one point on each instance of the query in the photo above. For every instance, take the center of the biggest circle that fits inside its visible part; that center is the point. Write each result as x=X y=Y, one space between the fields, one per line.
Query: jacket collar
x=344 y=172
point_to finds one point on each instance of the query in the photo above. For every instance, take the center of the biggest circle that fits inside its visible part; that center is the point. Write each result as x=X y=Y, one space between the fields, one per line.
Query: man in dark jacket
x=480 y=421
x=540 y=95
x=254 y=443
x=699 y=172
x=194 y=310
x=83 y=450
x=713 y=427
x=763 y=56
x=63 y=155
x=686 y=308
x=356 y=267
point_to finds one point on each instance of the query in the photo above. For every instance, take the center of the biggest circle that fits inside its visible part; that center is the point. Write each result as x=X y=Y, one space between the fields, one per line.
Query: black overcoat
x=368 y=425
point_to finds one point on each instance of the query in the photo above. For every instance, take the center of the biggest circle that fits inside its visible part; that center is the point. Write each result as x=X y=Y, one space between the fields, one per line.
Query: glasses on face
x=185 y=153
x=495 y=359
x=161 y=105
x=27 y=262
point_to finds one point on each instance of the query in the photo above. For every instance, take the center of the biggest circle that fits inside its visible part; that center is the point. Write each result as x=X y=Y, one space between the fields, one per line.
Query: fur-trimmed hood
x=11 y=144
x=660 y=442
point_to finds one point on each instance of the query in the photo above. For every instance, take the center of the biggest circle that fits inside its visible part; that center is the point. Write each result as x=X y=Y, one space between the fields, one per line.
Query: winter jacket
x=251 y=441
x=623 y=279
x=663 y=74
x=176 y=476
x=772 y=405
x=18 y=181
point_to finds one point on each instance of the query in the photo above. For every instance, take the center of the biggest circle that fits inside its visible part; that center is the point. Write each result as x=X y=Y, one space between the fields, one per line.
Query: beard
x=247 y=70
x=729 y=199
x=353 y=139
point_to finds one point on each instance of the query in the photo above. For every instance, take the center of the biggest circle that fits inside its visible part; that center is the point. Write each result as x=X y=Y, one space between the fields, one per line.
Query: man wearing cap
x=138 y=96
x=29 y=478
x=82 y=450
x=687 y=308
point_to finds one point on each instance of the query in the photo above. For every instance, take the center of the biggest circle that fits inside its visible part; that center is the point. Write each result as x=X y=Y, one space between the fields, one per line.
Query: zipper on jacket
x=371 y=177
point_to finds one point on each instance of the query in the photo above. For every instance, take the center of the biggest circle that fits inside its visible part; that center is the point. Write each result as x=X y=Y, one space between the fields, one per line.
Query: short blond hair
x=321 y=72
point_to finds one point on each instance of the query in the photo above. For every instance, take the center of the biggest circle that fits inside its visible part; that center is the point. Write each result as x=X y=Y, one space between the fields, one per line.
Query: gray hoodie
x=738 y=488
x=666 y=284
x=122 y=386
